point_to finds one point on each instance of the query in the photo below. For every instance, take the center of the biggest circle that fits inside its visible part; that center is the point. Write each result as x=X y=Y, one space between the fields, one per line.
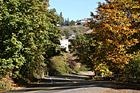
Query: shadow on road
x=60 y=83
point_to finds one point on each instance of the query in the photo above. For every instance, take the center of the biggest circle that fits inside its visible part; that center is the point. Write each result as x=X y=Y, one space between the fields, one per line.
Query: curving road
x=76 y=84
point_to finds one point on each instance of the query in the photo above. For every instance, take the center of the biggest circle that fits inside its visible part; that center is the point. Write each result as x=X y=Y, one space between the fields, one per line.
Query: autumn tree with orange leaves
x=115 y=31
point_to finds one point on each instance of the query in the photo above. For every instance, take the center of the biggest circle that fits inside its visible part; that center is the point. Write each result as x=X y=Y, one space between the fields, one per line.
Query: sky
x=75 y=9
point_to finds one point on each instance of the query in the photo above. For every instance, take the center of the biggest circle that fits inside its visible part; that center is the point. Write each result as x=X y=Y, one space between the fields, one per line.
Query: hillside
x=79 y=29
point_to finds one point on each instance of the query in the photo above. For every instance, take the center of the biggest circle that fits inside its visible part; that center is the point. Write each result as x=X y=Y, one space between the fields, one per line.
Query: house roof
x=85 y=19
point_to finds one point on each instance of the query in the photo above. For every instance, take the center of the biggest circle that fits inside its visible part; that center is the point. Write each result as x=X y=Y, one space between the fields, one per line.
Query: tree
x=114 y=30
x=27 y=32
x=81 y=48
x=72 y=22
x=62 y=19
x=67 y=22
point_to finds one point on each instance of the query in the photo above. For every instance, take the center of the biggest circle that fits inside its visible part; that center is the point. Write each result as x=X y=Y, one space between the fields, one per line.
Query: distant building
x=72 y=36
x=58 y=24
x=82 y=21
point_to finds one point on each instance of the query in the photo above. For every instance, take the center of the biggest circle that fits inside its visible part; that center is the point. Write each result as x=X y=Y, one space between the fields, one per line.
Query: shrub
x=59 y=66
x=5 y=83
x=82 y=68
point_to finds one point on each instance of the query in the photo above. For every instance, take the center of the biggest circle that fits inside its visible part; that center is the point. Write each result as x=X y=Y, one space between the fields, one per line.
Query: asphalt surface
x=73 y=84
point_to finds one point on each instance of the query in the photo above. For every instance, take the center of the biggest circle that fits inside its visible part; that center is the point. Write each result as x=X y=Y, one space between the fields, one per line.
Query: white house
x=64 y=44
x=83 y=21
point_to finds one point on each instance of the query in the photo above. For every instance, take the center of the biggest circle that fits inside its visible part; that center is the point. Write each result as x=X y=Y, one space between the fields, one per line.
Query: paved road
x=73 y=84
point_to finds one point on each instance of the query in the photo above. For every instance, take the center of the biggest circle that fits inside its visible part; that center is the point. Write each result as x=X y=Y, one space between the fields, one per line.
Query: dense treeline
x=112 y=47
x=65 y=22
x=29 y=36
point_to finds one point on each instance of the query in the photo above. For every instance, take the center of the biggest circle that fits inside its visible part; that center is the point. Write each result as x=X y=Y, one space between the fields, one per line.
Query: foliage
x=28 y=32
x=6 y=83
x=76 y=69
x=36 y=76
x=65 y=22
x=61 y=19
x=59 y=66
x=72 y=22
x=67 y=30
x=82 y=49
x=104 y=69
x=71 y=62
x=133 y=68
x=83 y=68
x=115 y=31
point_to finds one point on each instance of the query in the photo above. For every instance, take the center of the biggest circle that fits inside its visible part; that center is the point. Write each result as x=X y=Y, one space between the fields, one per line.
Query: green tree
x=62 y=19
x=82 y=49
x=67 y=22
x=27 y=31
x=72 y=22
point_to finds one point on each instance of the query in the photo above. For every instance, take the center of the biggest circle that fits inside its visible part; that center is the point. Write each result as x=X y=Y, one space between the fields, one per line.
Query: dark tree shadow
x=60 y=83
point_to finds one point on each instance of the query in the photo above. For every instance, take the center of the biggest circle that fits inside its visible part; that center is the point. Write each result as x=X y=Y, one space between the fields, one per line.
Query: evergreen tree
x=61 y=19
